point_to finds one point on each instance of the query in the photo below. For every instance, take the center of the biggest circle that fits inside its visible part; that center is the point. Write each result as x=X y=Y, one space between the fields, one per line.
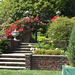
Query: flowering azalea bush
x=22 y=25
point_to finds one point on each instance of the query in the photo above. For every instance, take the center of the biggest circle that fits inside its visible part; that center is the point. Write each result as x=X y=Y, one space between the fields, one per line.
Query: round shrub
x=60 y=31
x=4 y=46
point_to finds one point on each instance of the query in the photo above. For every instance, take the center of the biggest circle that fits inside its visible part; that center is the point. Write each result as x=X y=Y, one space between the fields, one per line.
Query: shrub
x=46 y=46
x=48 y=52
x=53 y=52
x=43 y=46
x=39 y=51
x=4 y=46
x=40 y=38
x=60 y=30
x=71 y=48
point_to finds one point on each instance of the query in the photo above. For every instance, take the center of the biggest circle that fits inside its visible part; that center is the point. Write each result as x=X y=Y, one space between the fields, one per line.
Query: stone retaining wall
x=48 y=62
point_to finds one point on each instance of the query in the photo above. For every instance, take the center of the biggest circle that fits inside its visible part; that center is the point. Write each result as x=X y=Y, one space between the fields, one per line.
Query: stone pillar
x=28 y=58
x=13 y=44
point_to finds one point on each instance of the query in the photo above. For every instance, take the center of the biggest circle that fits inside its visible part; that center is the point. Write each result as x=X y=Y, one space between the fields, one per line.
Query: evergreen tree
x=71 y=48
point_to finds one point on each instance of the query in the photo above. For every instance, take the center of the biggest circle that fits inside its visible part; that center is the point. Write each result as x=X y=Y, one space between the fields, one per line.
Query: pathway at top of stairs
x=16 y=58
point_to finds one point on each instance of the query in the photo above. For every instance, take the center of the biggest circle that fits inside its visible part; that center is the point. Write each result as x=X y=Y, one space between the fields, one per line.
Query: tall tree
x=16 y=8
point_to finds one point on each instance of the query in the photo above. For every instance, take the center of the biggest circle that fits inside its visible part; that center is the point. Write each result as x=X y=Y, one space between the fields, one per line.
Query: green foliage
x=48 y=52
x=43 y=46
x=4 y=46
x=71 y=48
x=39 y=52
x=40 y=38
x=53 y=52
x=60 y=30
x=16 y=8
x=73 y=20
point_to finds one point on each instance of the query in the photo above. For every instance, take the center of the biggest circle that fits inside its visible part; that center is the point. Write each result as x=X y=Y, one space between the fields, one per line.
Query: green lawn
x=29 y=72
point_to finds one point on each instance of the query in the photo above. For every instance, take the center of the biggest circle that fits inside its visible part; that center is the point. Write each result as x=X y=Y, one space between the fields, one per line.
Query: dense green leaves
x=71 y=48
x=59 y=31
x=16 y=8
x=4 y=46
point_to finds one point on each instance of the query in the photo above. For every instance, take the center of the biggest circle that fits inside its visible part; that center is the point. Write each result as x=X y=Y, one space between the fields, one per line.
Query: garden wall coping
x=50 y=55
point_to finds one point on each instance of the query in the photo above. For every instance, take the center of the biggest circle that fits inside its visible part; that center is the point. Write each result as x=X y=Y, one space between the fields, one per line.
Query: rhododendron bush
x=22 y=25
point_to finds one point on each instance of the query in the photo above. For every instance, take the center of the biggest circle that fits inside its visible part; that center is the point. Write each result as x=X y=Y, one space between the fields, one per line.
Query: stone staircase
x=23 y=48
x=16 y=58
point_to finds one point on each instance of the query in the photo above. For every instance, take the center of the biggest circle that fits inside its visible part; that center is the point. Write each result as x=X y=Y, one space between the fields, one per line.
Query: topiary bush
x=71 y=48
x=4 y=46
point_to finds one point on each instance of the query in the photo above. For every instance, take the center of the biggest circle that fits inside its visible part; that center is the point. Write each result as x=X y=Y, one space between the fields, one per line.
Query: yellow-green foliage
x=48 y=52
x=73 y=20
x=39 y=51
x=40 y=38
x=53 y=52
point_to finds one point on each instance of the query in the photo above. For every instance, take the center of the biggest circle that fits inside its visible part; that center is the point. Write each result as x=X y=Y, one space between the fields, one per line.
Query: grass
x=29 y=72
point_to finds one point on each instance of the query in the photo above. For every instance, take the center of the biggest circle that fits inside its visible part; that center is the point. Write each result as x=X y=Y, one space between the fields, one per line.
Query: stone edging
x=51 y=55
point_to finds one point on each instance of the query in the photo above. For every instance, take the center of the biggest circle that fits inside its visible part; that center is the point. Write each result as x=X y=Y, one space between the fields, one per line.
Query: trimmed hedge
x=48 y=52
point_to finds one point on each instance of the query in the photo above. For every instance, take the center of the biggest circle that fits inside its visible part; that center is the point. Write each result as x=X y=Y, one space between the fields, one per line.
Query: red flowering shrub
x=53 y=19
x=21 y=25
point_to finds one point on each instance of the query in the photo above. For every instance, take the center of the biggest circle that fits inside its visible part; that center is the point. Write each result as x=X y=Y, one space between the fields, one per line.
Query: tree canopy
x=16 y=8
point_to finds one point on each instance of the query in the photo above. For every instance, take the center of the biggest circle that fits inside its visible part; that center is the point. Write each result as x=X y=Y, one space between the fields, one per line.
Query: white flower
x=31 y=48
x=56 y=49
x=36 y=48
x=29 y=45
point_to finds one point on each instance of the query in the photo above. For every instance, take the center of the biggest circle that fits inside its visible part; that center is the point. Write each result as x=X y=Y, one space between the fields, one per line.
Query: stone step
x=12 y=67
x=24 y=46
x=12 y=59
x=27 y=43
x=12 y=64
x=26 y=49
x=21 y=51
x=13 y=55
